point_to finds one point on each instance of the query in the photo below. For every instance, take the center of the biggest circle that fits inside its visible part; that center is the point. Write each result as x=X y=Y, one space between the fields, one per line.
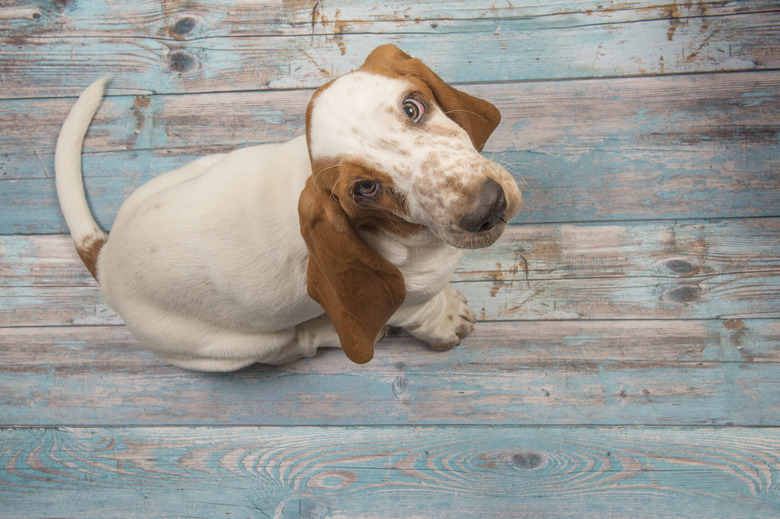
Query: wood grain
x=151 y=51
x=389 y=472
x=196 y=19
x=688 y=373
x=627 y=358
x=699 y=297
x=696 y=113
x=525 y=252
x=648 y=148
x=647 y=271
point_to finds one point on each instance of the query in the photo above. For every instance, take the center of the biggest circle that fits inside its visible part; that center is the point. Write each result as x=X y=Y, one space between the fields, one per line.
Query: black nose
x=487 y=210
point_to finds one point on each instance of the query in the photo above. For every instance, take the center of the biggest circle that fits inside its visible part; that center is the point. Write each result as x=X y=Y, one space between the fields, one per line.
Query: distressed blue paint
x=389 y=472
x=516 y=48
x=597 y=186
x=703 y=154
x=709 y=296
x=610 y=152
x=538 y=252
x=518 y=373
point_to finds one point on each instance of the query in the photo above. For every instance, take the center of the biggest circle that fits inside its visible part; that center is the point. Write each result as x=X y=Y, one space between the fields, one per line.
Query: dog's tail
x=86 y=234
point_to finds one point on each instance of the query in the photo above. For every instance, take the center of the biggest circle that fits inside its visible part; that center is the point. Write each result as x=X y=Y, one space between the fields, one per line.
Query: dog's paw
x=382 y=334
x=450 y=321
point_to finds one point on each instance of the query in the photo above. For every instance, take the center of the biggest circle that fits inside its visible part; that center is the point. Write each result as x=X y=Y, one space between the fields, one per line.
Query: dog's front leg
x=309 y=337
x=443 y=321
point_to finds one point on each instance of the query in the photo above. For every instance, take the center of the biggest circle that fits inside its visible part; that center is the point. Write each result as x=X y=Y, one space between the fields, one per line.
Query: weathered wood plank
x=527 y=252
x=697 y=113
x=581 y=251
x=608 y=373
x=194 y=19
x=158 y=58
x=598 y=187
x=389 y=472
x=702 y=297
x=179 y=125
x=641 y=271
x=712 y=296
x=679 y=147
x=697 y=146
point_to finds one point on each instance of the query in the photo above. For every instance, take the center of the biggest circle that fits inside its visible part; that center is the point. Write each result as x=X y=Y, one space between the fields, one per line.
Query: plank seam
x=262 y=89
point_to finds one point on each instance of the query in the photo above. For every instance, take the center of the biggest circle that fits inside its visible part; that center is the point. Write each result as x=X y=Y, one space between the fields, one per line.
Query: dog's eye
x=367 y=188
x=414 y=109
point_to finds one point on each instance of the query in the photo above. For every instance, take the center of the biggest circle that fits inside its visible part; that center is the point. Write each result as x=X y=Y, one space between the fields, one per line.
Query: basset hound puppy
x=267 y=253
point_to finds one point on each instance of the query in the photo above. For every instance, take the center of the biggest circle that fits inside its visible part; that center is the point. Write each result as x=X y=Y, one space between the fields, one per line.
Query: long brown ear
x=358 y=288
x=478 y=117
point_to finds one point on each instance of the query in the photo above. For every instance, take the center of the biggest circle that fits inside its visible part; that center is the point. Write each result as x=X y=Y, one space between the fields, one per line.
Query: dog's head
x=393 y=149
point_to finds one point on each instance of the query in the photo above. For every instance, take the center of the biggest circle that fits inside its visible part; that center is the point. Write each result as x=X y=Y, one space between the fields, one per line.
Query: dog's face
x=385 y=146
x=393 y=149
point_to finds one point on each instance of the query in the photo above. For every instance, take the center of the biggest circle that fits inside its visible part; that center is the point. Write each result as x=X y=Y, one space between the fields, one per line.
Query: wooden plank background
x=627 y=358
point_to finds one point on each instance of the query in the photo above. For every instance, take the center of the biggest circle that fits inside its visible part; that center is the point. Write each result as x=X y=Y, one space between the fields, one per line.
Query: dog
x=267 y=253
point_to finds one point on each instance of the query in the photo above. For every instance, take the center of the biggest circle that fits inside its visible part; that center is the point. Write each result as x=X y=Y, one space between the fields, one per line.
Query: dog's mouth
x=483 y=227
x=461 y=239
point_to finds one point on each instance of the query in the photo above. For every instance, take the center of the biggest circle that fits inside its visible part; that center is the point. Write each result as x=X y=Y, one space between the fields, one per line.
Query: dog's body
x=267 y=253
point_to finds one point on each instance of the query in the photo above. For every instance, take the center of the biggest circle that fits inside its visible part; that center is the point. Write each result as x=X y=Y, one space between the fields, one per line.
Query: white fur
x=67 y=158
x=206 y=263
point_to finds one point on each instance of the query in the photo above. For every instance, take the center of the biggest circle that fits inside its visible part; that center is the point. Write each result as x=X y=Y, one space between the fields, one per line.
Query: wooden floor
x=627 y=358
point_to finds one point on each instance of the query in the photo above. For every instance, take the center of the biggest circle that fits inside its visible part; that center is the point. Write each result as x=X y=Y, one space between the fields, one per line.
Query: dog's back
x=157 y=268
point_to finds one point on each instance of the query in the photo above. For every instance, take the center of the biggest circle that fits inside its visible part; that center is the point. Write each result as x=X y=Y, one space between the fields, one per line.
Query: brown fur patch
x=478 y=117
x=384 y=212
x=358 y=288
x=88 y=250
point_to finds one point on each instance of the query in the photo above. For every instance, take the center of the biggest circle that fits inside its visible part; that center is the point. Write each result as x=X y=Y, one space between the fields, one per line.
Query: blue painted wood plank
x=389 y=472
x=196 y=19
x=535 y=373
x=641 y=271
x=596 y=187
x=644 y=150
x=525 y=252
x=698 y=114
x=709 y=296
x=310 y=52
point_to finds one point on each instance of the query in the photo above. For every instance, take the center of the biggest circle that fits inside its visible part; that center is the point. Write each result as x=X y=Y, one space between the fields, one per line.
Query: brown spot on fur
x=431 y=164
x=394 y=146
x=88 y=252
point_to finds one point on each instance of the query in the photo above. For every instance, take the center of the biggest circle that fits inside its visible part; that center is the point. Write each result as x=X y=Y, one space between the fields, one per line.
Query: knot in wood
x=183 y=25
x=181 y=61
x=527 y=460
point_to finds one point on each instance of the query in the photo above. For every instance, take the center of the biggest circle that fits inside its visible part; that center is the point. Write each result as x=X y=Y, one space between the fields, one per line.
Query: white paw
x=449 y=322
x=382 y=334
